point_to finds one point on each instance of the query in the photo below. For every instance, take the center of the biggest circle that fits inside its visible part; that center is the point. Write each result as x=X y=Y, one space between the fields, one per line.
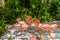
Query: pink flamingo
x=24 y=26
x=37 y=23
x=55 y=26
x=46 y=27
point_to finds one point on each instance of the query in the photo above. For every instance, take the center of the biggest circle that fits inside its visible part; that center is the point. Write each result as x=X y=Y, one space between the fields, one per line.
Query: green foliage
x=9 y=38
x=54 y=9
x=3 y=30
x=39 y=9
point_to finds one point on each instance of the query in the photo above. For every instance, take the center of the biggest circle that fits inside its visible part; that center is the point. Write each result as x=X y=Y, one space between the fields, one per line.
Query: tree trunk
x=2 y=3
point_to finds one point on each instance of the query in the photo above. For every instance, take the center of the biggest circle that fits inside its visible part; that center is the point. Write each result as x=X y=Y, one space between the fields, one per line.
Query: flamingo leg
x=50 y=35
x=40 y=34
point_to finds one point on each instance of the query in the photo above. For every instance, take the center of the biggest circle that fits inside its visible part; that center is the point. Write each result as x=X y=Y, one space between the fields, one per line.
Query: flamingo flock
x=24 y=24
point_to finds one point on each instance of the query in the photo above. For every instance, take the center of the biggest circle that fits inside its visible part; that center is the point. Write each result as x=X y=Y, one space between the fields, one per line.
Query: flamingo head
x=37 y=22
x=29 y=19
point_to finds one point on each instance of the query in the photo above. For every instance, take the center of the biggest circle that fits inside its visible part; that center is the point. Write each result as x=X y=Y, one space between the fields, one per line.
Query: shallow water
x=25 y=35
x=16 y=34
